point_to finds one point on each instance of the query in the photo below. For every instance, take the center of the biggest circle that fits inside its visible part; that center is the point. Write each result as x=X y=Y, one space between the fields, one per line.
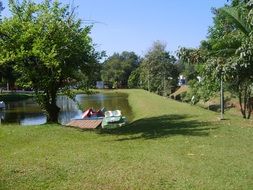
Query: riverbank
x=15 y=96
x=10 y=96
x=169 y=145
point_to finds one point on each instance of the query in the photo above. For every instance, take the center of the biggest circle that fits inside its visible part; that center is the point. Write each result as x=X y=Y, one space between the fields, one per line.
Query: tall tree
x=134 y=78
x=118 y=67
x=49 y=46
x=229 y=51
x=207 y=85
x=237 y=68
x=158 y=69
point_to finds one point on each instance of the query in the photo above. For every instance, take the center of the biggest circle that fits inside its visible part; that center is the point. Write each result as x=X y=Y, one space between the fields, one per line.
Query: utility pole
x=148 y=82
x=164 y=94
x=221 y=99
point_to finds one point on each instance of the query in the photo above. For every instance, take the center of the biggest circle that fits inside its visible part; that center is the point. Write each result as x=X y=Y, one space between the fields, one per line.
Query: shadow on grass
x=162 y=126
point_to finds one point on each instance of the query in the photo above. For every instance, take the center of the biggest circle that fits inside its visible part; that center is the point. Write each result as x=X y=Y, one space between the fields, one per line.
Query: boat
x=2 y=105
x=92 y=114
x=2 y=116
x=113 y=119
x=92 y=119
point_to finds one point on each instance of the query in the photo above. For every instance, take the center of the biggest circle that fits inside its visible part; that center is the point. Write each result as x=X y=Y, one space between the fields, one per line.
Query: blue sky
x=133 y=25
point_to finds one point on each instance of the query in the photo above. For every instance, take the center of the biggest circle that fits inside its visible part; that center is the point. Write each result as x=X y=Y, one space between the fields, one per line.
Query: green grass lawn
x=169 y=145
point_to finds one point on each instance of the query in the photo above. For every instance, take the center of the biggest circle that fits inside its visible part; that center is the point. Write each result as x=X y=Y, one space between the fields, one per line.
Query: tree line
x=156 y=72
x=45 y=47
x=224 y=59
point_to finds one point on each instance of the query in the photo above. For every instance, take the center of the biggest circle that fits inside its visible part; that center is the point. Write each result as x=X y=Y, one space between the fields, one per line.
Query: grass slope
x=169 y=145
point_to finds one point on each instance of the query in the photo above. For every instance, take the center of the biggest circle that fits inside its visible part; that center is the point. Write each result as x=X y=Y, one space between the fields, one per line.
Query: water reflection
x=25 y=112
x=69 y=110
x=28 y=112
x=33 y=120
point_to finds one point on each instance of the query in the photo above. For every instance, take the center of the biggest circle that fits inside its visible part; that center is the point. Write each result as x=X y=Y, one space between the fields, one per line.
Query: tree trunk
x=241 y=104
x=47 y=101
x=52 y=109
x=249 y=109
x=249 y=104
x=245 y=101
x=53 y=113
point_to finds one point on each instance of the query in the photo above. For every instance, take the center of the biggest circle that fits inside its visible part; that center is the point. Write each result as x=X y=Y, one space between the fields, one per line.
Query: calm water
x=28 y=112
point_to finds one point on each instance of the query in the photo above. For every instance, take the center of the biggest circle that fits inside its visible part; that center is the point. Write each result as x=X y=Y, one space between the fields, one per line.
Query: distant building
x=199 y=78
x=100 y=84
x=181 y=80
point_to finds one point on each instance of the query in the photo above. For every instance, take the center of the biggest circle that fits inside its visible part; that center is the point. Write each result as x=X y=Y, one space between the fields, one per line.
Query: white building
x=100 y=84
x=181 y=80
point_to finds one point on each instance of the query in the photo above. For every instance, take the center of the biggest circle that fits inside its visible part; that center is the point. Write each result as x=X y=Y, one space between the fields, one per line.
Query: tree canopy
x=227 y=53
x=118 y=67
x=49 y=46
x=158 y=69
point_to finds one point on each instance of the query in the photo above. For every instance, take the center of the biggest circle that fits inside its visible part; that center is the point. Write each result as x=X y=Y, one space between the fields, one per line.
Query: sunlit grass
x=169 y=145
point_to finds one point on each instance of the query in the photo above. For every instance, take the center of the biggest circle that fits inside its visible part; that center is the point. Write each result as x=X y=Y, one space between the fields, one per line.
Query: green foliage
x=240 y=75
x=205 y=89
x=226 y=54
x=118 y=67
x=238 y=2
x=158 y=70
x=238 y=68
x=237 y=15
x=188 y=70
x=196 y=65
x=49 y=46
x=8 y=75
x=134 y=79
x=192 y=55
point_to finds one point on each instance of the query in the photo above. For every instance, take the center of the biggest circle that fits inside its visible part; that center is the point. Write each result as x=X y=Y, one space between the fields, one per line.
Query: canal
x=28 y=112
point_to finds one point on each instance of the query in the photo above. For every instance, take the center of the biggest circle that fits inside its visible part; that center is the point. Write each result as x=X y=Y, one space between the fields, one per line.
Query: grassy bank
x=169 y=145
x=12 y=96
